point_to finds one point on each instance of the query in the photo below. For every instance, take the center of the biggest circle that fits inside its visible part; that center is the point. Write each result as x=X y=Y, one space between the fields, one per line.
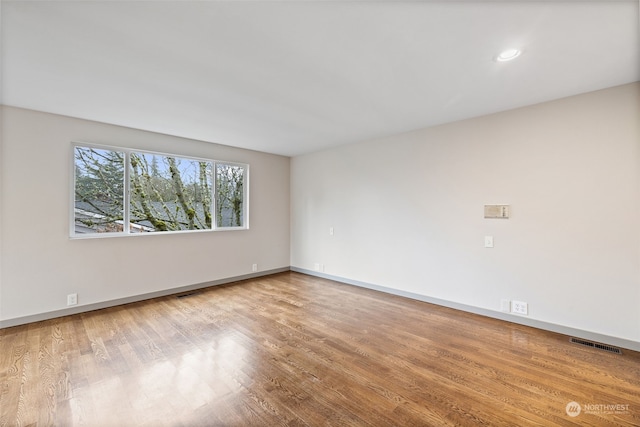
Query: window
x=169 y=193
x=99 y=190
x=151 y=192
x=229 y=195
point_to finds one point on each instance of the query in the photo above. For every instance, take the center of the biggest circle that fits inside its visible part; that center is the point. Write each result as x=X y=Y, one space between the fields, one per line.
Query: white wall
x=40 y=264
x=407 y=211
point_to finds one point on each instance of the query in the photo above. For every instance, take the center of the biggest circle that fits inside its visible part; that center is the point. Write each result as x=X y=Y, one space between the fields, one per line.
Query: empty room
x=320 y=213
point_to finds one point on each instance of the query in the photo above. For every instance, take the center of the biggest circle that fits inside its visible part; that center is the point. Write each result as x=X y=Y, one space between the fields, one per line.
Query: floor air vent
x=599 y=346
x=188 y=294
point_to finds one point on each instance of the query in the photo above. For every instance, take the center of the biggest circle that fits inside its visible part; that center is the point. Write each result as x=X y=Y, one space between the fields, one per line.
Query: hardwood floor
x=295 y=350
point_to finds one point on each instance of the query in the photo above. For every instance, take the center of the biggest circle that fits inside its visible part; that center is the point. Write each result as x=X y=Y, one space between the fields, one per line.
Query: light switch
x=488 y=241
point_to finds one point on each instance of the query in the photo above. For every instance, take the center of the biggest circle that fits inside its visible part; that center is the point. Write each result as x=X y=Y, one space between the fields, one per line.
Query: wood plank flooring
x=295 y=350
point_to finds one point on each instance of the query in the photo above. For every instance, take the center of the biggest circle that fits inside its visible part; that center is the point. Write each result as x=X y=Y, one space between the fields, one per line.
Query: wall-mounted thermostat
x=496 y=211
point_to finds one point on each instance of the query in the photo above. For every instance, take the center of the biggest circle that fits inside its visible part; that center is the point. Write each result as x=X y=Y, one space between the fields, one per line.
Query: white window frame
x=127 y=193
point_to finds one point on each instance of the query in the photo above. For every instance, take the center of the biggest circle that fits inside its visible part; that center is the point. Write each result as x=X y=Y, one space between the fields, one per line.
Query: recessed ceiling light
x=508 y=55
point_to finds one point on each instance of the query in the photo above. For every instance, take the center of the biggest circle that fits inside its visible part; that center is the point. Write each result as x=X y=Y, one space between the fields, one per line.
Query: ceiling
x=293 y=77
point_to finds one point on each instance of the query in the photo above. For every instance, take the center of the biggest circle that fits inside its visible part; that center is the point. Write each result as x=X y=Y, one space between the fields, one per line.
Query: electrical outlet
x=254 y=267
x=318 y=267
x=72 y=299
x=505 y=305
x=520 y=307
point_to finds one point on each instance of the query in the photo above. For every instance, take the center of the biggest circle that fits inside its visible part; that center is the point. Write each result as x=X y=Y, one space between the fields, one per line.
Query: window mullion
x=126 y=214
x=214 y=195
